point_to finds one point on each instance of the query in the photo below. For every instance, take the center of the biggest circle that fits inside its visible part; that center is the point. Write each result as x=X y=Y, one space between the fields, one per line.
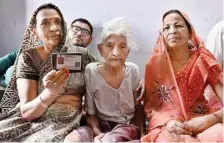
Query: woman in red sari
x=176 y=76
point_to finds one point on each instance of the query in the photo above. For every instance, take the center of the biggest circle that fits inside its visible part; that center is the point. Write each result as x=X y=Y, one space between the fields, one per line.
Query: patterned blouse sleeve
x=214 y=70
x=214 y=74
x=25 y=68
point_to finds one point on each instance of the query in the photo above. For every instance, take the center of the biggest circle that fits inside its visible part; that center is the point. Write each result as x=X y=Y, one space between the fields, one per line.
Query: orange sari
x=179 y=96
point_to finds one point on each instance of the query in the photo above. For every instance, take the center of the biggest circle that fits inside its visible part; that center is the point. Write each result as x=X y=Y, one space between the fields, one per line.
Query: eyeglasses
x=84 y=31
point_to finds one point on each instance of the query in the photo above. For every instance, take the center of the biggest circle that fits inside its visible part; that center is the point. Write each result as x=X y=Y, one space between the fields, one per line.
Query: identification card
x=73 y=61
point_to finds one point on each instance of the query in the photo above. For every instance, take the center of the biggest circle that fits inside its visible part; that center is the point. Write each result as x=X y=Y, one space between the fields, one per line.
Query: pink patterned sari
x=179 y=95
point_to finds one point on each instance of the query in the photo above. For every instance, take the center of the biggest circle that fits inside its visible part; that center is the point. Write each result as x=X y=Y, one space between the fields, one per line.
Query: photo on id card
x=73 y=61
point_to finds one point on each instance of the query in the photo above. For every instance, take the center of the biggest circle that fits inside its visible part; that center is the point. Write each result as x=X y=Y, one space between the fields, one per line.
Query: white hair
x=118 y=26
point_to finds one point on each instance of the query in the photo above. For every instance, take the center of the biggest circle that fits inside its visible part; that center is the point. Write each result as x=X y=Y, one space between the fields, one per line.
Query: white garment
x=108 y=103
x=215 y=42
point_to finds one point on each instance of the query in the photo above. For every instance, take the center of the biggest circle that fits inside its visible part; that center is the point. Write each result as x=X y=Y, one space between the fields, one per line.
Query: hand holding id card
x=73 y=61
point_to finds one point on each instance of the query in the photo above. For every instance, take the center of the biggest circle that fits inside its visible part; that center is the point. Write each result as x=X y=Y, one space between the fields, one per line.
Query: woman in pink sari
x=176 y=76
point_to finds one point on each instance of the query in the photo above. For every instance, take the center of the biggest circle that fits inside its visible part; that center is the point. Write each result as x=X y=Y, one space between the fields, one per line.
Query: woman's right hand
x=174 y=126
x=54 y=80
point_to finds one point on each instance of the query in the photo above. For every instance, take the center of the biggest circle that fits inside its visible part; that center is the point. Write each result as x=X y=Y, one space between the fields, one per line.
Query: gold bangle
x=42 y=102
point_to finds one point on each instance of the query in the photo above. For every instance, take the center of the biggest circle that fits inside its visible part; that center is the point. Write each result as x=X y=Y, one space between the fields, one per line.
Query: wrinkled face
x=49 y=27
x=175 y=31
x=80 y=34
x=114 y=50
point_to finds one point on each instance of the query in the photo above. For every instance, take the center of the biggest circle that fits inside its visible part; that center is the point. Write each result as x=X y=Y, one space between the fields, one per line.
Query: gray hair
x=118 y=26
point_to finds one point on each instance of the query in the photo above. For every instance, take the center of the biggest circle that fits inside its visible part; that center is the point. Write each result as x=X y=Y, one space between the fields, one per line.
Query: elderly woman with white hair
x=111 y=100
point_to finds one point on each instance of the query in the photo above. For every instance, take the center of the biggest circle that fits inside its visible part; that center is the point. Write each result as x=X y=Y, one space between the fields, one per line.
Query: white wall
x=144 y=16
x=12 y=24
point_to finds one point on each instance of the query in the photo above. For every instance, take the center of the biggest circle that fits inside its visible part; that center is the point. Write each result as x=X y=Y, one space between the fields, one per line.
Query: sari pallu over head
x=10 y=98
x=161 y=84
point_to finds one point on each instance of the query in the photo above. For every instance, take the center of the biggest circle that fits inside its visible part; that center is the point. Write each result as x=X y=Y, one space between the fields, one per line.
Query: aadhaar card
x=73 y=61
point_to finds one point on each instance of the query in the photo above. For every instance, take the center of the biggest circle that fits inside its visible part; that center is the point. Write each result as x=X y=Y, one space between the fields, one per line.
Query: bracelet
x=219 y=118
x=42 y=102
